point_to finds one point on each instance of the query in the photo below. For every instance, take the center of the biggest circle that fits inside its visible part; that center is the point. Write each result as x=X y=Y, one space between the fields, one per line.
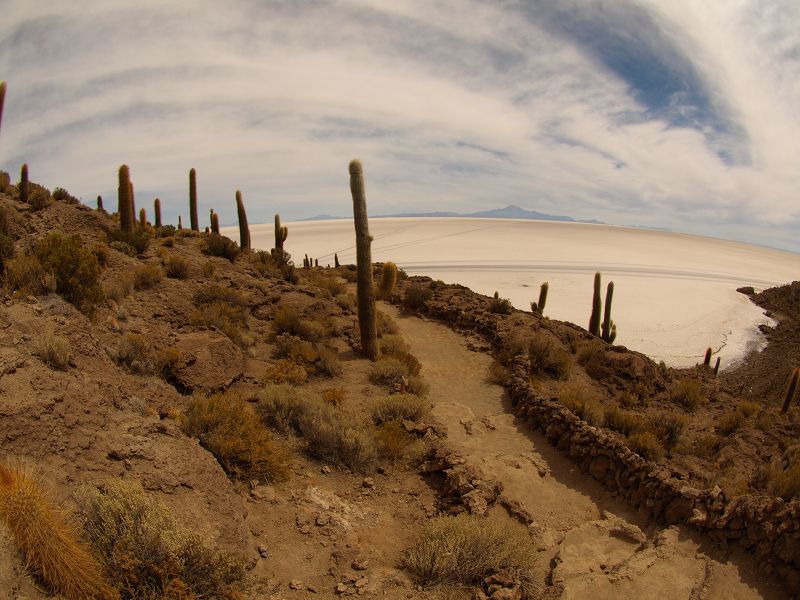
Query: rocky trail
x=590 y=543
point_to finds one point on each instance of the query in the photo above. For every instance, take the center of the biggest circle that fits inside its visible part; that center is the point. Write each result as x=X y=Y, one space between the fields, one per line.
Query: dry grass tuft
x=48 y=540
x=135 y=353
x=229 y=428
x=547 y=358
x=147 y=276
x=176 y=267
x=388 y=371
x=27 y=276
x=148 y=554
x=286 y=371
x=622 y=421
x=646 y=445
x=400 y=406
x=686 y=392
x=466 y=549
x=54 y=350
x=582 y=401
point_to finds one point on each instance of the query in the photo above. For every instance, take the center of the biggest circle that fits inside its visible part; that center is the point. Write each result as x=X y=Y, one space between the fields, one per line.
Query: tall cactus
x=244 y=230
x=193 y=200
x=388 y=279
x=539 y=306
x=716 y=367
x=336 y=260
x=791 y=390
x=180 y=223
x=215 y=223
x=142 y=218
x=707 y=359
x=124 y=200
x=100 y=203
x=24 y=184
x=366 y=292
x=609 y=329
x=597 y=307
x=281 y=233
x=157 y=212
x=2 y=99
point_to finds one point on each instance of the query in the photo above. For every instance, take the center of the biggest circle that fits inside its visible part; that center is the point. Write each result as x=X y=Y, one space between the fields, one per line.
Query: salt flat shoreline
x=675 y=294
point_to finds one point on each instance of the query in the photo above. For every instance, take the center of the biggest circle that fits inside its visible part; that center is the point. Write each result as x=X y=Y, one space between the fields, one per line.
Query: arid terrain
x=206 y=422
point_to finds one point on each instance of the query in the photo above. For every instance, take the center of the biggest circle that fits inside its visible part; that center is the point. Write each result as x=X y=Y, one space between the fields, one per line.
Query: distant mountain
x=509 y=212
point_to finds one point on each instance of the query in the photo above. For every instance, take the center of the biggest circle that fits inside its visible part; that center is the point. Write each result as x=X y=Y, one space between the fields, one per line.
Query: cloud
x=678 y=115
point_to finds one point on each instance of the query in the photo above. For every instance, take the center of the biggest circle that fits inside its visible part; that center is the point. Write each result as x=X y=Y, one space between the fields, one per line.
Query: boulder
x=209 y=361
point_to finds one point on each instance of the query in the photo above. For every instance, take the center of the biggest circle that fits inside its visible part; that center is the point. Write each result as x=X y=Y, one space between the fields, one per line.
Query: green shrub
x=416 y=296
x=176 y=267
x=399 y=406
x=138 y=239
x=147 y=553
x=686 y=392
x=62 y=195
x=54 y=350
x=646 y=445
x=548 y=358
x=228 y=427
x=466 y=549
x=219 y=245
x=147 y=276
x=75 y=267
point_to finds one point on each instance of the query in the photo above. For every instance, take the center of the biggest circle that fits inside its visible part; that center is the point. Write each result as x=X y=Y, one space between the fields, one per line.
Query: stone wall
x=767 y=526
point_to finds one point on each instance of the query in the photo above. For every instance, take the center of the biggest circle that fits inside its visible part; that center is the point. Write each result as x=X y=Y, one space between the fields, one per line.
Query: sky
x=680 y=114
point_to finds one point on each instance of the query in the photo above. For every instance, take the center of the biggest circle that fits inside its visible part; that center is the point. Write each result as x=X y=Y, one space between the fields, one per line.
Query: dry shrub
x=101 y=253
x=706 y=446
x=219 y=245
x=210 y=293
x=330 y=434
x=135 y=353
x=165 y=361
x=388 y=371
x=148 y=554
x=48 y=540
x=394 y=443
x=392 y=344
x=225 y=317
x=416 y=296
x=730 y=422
x=400 y=406
x=784 y=483
x=667 y=427
x=547 y=358
x=686 y=393
x=54 y=350
x=385 y=324
x=467 y=549
x=622 y=421
x=748 y=408
x=26 y=276
x=346 y=302
x=289 y=320
x=500 y=306
x=228 y=427
x=583 y=403
x=498 y=374
x=146 y=276
x=286 y=371
x=417 y=386
x=296 y=349
x=122 y=288
x=38 y=198
x=334 y=396
x=328 y=362
x=647 y=445
x=137 y=240
x=588 y=349
x=176 y=267
x=123 y=247
x=208 y=269
x=330 y=283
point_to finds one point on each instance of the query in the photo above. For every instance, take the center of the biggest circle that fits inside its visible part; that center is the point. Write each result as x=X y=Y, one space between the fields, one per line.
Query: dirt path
x=590 y=543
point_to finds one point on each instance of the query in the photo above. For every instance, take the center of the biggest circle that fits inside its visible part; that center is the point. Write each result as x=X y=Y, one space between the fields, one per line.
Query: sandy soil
x=675 y=294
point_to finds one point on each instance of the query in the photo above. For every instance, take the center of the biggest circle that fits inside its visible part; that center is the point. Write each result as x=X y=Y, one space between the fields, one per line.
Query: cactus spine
x=336 y=260
x=609 y=329
x=244 y=230
x=2 y=99
x=24 y=183
x=366 y=292
x=707 y=359
x=281 y=233
x=193 y=200
x=388 y=279
x=790 y=391
x=142 y=218
x=100 y=203
x=597 y=308
x=214 y=223
x=157 y=212
x=124 y=200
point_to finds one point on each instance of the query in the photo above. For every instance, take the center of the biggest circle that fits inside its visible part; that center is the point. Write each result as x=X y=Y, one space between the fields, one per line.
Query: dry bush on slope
x=48 y=541
x=466 y=549
x=147 y=553
x=400 y=406
x=228 y=427
x=54 y=350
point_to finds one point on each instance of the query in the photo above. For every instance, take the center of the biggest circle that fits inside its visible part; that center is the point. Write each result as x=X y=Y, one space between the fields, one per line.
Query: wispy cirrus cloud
x=680 y=115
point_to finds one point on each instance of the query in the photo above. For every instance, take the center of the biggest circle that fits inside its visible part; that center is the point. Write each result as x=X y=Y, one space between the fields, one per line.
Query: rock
x=263 y=552
x=368 y=483
x=322 y=520
x=360 y=564
x=624 y=367
x=341 y=588
x=361 y=583
x=599 y=466
x=747 y=290
x=325 y=470
x=209 y=361
x=295 y=584
x=263 y=493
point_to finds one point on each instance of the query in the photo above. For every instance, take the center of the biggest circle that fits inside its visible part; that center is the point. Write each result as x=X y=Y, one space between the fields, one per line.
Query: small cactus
x=2 y=99
x=366 y=293
x=597 y=307
x=195 y=225
x=791 y=390
x=215 y=223
x=316 y=262
x=716 y=367
x=281 y=233
x=124 y=200
x=142 y=218
x=539 y=306
x=388 y=279
x=100 y=203
x=707 y=359
x=24 y=184
x=336 y=260
x=157 y=212
x=306 y=262
x=244 y=230
x=609 y=329
x=180 y=223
